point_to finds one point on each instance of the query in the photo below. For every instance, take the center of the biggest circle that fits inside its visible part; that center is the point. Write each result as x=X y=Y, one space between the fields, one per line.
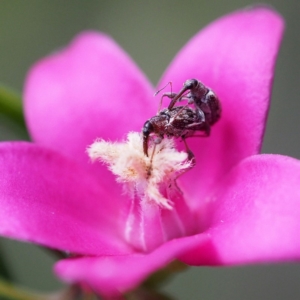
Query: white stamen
x=141 y=175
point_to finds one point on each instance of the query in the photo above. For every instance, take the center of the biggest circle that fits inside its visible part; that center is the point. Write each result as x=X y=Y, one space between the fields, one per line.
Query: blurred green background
x=152 y=32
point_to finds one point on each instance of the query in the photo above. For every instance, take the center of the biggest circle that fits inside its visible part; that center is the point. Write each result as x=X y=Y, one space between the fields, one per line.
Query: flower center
x=151 y=178
x=157 y=211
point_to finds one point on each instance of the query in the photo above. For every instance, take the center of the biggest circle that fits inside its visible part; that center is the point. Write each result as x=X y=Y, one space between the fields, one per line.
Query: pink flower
x=238 y=207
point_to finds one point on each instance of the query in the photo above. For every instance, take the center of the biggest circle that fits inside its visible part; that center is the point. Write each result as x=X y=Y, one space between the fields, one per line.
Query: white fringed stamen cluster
x=136 y=171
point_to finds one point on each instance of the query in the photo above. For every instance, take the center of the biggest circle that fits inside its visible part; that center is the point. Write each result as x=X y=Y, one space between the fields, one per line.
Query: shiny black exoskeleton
x=180 y=121
x=184 y=121
x=206 y=102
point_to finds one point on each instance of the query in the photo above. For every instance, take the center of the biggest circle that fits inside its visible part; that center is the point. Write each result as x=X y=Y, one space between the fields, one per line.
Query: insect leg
x=169 y=95
x=151 y=159
x=170 y=83
x=191 y=156
x=204 y=120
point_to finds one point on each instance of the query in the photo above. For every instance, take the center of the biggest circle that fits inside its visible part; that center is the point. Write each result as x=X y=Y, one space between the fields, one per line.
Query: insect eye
x=190 y=84
x=148 y=128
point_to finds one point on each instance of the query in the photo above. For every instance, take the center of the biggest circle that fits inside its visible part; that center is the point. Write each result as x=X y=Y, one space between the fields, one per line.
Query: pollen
x=150 y=178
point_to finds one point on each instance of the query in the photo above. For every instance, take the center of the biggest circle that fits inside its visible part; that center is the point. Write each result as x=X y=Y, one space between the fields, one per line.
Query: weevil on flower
x=206 y=102
x=183 y=121
x=237 y=206
x=154 y=178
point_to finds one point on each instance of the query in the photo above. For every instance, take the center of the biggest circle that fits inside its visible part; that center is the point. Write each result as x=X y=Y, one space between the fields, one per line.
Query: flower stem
x=159 y=277
x=11 y=105
x=9 y=291
x=4 y=271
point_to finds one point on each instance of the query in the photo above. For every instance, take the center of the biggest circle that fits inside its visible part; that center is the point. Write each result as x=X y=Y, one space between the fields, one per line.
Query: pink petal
x=149 y=226
x=49 y=200
x=235 y=56
x=89 y=90
x=114 y=275
x=256 y=214
x=93 y=90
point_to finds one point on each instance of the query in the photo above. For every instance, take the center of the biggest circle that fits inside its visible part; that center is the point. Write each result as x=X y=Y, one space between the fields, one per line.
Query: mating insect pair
x=184 y=121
